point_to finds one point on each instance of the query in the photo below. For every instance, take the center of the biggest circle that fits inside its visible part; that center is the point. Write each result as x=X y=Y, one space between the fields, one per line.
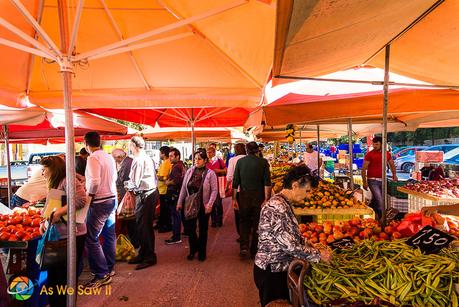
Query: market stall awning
x=136 y=54
x=27 y=116
x=314 y=38
x=180 y=117
x=294 y=108
x=53 y=127
x=184 y=134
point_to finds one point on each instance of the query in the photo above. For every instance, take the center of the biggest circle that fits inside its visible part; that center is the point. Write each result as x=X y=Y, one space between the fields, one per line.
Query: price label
x=430 y=240
x=391 y=214
x=343 y=243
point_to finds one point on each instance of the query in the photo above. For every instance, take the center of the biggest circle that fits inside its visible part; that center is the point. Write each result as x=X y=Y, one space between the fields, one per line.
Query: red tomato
x=26 y=221
x=20 y=234
x=11 y=228
x=4 y=236
x=27 y=237
x=35 y=234
x=13 y=238
x=4 y=217
x=35 y=222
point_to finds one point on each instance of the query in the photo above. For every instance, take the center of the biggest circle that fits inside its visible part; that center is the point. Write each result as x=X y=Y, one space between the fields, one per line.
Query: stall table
x=418 y=200
x=341 y=214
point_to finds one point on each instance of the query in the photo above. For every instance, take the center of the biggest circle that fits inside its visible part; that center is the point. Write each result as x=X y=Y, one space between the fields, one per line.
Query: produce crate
x=392 y=189
x=333 y=215
x=399 y=203
x=417 y=200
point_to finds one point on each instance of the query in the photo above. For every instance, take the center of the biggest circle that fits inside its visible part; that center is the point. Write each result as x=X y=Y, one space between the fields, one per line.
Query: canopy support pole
x=318 y=150
x=351 y=154
x=384 y=134
x=66 y=71
x=193 y=136
x=8 y=163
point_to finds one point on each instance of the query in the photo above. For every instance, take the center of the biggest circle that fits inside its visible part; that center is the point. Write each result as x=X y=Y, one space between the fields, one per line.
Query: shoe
x=201 y=258
x=219 y=224
x=145 y=264
x=190 y=257
x=172 y=241
x=213 y=225
x=135 y=260
x=243 y=254
x=98 y=282
x=164 y=230
x=112 y=273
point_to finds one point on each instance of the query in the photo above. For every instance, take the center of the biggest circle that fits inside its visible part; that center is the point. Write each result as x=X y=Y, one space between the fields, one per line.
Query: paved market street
x=222 y=280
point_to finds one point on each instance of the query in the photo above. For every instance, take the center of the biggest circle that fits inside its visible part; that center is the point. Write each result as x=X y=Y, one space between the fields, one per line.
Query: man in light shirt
x=101 y=188
x=143 y=184
x=312 y=158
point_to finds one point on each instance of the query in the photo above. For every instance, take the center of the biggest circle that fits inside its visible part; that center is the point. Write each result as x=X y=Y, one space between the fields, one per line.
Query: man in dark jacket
x=253 y=177
x=174 y=184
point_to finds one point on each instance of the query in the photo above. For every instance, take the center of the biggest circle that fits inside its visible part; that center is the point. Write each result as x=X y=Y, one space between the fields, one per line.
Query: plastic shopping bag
x=125 y=251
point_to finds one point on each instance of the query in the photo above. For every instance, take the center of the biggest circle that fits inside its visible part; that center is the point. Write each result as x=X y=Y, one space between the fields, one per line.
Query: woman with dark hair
x=54 y=172
x=196 y=177
x=279 y=239
x=239 y=151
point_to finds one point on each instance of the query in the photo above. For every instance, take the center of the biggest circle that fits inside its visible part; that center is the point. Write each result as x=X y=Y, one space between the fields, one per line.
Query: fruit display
x=385 y=273
x=330 y=196
x=23 y=224
x=446 y=188
x=278 y=171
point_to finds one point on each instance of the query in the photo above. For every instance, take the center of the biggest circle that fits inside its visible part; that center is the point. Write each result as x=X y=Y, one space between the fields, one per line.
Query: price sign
x=391 y=214
x=343 y=243
x=430 y=240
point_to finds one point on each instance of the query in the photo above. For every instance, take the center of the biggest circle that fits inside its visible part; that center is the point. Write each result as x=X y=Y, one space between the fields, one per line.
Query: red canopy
x=179 y=117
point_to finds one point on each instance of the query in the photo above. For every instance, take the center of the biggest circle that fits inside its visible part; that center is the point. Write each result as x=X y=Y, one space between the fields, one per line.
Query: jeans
x=164 y=220
x=249 y=212
x=217 y=212
x=271 y=285
x=198 y=244
x=144 y=214
x=17 y=201
x=101 y=221
x=176 y=216
x=377 y=201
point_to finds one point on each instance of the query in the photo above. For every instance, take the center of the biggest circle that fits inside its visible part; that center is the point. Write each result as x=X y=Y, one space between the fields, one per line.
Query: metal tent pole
x=318 y=150
x=66 y=71
x=384 y=134
x=351 y=153
x=193 y=135
x=8 y=164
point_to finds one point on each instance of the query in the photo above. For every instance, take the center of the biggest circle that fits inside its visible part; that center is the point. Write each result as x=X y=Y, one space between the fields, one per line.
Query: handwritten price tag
x=430 y=240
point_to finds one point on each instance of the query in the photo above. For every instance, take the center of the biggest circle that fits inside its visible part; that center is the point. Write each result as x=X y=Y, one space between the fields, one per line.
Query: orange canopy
x=28 y=116
x=184 y=134
x=314 y=38
x=138 y=54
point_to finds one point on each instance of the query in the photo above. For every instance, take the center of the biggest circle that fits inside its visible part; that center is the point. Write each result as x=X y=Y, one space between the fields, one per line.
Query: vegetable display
x=386 y=273
x=446 y=188
x=21 y=225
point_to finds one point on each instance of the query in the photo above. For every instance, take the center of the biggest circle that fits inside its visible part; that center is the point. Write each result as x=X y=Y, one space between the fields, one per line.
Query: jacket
x=209 y=189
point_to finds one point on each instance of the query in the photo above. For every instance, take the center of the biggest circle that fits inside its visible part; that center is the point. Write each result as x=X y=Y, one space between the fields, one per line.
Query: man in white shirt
x=143 y=183
x=101 y=188
x=311 y=158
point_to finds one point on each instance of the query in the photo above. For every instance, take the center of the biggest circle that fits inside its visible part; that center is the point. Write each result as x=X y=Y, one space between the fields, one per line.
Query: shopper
x=123 y=167
x=372 y=175
x=253 y=177
x=54 y=172
x=196 y=177
x=219 y=167
x=164 y=221
x=143 y=183
x=280 y=239
x=33 y=190
x=81 y=161
x=312 y=158
x=239 y=151
x=174 y=185
x=101 y=189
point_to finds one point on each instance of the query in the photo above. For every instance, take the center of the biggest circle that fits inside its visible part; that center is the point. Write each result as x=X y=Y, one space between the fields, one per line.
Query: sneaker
x=98 y=282
x=172 y=241
x=112 y=273
x=145 y=264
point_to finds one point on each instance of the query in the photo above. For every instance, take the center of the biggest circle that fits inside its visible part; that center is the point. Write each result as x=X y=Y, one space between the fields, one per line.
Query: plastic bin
x=399 y=203
x=416 y=203
x=392 y=189
x=333 y=215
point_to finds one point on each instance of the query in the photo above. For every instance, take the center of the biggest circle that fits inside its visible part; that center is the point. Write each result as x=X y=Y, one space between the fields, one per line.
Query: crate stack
x=397 y=200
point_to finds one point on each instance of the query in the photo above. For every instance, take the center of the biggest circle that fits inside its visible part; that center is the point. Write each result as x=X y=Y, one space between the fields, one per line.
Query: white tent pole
x=193 y=136
x=163 y=29
x=8 y=164
x=384 y=134
x=76 y=25
x=25 y=48
x=351 y=153
x=66 y=71
x=36 y=26
x=318 y=150
x=25 y=36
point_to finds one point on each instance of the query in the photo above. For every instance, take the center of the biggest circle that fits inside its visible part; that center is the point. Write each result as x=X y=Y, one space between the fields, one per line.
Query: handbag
x=126 y=209
x=193 y=202
x=51 y=251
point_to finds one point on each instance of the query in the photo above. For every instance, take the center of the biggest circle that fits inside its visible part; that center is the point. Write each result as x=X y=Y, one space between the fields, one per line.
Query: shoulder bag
x=193 y=202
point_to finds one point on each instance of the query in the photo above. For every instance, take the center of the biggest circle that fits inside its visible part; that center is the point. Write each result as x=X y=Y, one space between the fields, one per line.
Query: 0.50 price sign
x=430 y=240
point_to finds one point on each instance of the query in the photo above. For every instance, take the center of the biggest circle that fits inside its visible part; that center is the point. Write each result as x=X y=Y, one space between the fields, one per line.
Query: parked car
x=35 y=158
x=409 y=151
x=444 y=147
x=406 y=163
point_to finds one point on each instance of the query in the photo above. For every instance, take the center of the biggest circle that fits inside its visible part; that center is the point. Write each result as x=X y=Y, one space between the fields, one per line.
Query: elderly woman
x=279 y=239
x=54 y=172
x=196 y=177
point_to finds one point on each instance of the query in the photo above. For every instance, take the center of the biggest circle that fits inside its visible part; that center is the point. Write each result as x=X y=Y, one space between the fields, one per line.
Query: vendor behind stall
x=33 y=190
x=279 y=238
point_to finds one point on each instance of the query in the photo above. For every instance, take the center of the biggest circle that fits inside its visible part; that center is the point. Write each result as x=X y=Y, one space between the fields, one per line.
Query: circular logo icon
x=21 y=288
